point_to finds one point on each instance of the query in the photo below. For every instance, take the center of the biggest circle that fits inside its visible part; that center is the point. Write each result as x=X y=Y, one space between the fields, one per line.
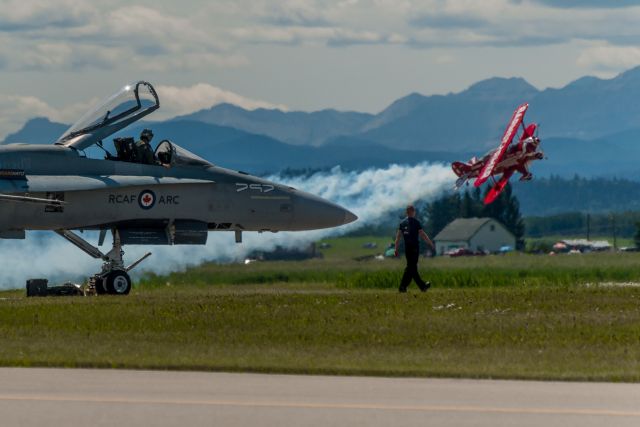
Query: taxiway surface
x=61 y=397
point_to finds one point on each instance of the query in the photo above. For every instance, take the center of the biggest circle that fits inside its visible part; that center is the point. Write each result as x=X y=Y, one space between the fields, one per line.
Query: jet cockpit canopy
x=129 y=105
x=171 y=154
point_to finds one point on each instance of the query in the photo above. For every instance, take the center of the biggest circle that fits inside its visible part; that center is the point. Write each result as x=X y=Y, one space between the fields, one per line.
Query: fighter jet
x=175 y=198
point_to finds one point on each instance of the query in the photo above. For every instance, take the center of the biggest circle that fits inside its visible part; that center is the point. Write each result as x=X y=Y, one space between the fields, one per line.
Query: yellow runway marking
x=308 y=405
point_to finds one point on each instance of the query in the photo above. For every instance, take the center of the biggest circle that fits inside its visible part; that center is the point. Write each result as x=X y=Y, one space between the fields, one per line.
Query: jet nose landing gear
x=114 y=278
x=116 y=282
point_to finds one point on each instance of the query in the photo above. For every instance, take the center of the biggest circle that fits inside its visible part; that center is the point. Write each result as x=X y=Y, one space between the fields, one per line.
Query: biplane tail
x=461 y=169
x=529 y=131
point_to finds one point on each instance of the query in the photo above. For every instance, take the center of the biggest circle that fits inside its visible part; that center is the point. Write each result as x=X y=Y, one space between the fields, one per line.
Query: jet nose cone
x=312 y=212
x=349 y=217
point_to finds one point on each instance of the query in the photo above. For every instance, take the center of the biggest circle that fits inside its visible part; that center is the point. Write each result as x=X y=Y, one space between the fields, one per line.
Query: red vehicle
x=461 y=252
x=504 y=160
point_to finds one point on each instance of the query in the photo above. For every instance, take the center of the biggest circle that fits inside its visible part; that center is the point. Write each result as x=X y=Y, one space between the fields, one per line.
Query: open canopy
x=129 y=105
x=171 y=154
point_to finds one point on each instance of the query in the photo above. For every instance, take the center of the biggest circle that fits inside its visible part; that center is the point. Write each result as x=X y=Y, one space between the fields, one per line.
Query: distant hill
x=471 y=120
x=237 y=149
x=615 y=157
x=610 y=156
x=253 y=153
x=554 y=195
x=298 y=128
x=37 y=131
x=588 y=108
x=590 y=127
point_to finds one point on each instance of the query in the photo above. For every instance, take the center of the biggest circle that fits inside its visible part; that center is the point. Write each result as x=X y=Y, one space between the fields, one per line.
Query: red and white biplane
x=504 y=160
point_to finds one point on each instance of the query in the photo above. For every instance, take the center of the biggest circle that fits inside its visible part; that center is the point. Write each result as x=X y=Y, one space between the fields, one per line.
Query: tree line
x=468 y=204
x=623 y=224
x=556 y=195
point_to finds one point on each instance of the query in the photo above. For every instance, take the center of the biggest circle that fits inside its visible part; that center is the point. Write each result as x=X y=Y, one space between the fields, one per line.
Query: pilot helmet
x=146 y=135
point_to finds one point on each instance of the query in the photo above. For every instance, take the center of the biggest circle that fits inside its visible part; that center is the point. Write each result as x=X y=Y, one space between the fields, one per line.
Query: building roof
x=462 y=229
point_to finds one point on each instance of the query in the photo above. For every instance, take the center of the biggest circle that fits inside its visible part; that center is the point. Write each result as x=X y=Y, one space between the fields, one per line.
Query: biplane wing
x=498 y=187
x=510 y=132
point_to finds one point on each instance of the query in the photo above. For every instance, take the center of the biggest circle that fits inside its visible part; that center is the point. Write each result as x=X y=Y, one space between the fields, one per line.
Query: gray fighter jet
x=174 y=200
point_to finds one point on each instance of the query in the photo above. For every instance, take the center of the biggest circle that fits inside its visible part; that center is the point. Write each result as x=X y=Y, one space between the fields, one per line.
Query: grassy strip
x=568 y=333
x=354 y=247
x=488 y=271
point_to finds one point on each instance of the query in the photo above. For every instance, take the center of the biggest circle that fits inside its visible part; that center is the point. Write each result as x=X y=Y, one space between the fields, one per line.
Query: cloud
x=176 y=100
x=15 y=110
x=199 y=37
x=25 y=15
x=588 y=4
x=47 y=56
x=444 y=59
x=74 y=35
x=609 y=59
x=448 y=21
x=135 y=23
x=509 y=23
x=301 y=13
x=348 y=38
x=295 y=13
x=317 y=22
x=188 y=62
x=428 y=24
x=328 y=36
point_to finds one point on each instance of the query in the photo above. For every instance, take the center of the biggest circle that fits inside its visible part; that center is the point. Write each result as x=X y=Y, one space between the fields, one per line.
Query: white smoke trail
x=371 y=195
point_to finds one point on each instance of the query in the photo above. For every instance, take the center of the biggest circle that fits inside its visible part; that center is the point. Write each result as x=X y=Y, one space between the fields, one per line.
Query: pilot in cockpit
x=144 y=151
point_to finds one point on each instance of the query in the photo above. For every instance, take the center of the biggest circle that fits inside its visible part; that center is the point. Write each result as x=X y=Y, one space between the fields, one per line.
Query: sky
x=58 y=57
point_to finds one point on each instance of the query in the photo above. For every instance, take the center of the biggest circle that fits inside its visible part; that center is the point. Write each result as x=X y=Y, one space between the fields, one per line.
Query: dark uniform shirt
x=410 y=229
x=144 y=153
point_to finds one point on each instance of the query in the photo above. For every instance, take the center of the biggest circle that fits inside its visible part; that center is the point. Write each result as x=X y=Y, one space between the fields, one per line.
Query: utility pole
x=588 y=227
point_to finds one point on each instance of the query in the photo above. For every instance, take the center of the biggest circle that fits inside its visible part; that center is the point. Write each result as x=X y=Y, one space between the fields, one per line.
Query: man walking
x=412 y=231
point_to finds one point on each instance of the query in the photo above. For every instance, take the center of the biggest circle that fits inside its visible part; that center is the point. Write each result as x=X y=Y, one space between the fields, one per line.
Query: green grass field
x=516 y=316
x=487 y=271
x=349 y=248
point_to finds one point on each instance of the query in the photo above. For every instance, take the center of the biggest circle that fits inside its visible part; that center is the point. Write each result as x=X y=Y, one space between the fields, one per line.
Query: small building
x=476 y=234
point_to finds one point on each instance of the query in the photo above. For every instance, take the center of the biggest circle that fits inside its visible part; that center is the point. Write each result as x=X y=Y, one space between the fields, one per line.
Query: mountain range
x=589 y=127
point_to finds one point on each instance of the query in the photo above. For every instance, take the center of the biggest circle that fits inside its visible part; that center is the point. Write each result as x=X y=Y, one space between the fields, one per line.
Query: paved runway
x=62 y=397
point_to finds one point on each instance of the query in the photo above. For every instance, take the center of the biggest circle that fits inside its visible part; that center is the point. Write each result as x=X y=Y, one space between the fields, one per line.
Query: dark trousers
x=411 y=271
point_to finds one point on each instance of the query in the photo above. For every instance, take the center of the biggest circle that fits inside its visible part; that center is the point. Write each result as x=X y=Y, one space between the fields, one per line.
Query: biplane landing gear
x=114 y=278
x=461 y=181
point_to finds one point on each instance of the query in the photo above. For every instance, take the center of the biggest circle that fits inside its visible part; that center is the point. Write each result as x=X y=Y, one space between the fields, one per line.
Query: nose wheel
x=114 y=278
x=117 y=282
